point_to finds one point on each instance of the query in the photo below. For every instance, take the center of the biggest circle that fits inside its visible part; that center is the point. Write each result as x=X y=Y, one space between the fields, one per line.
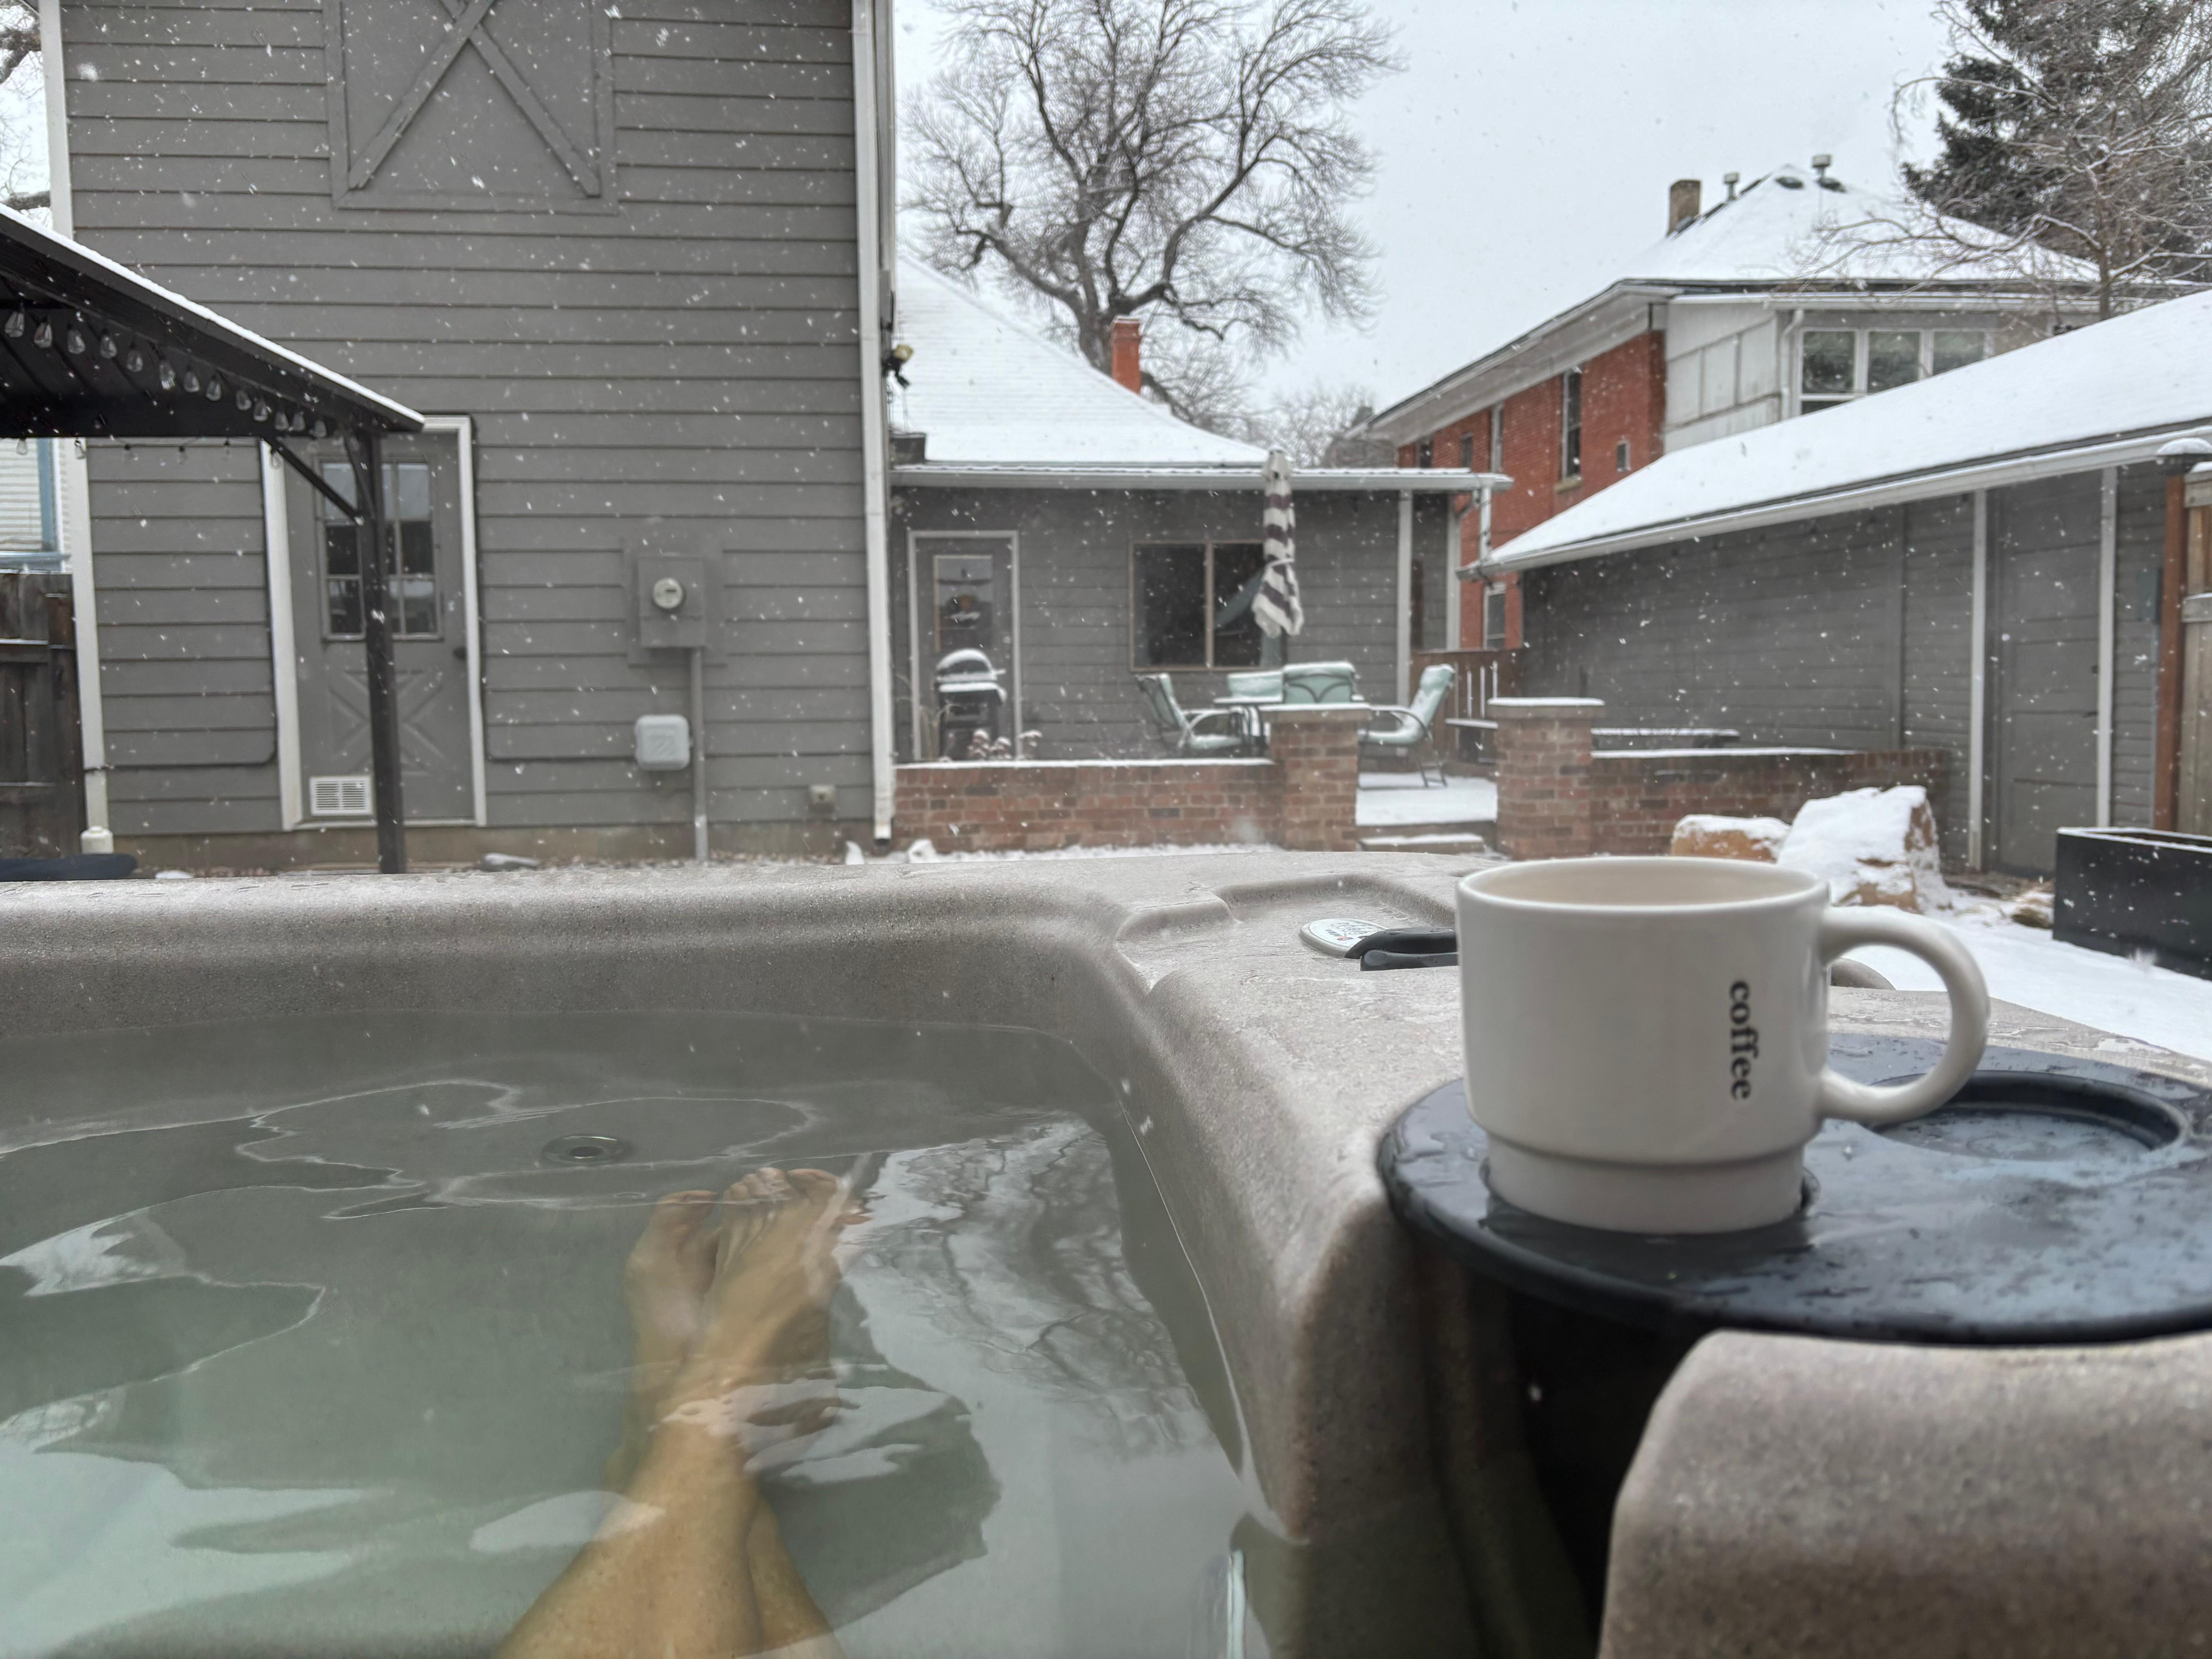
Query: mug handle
x=1862 y=1103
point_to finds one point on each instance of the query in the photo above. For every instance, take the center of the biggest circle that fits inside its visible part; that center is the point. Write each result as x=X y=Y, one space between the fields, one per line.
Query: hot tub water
x=308 y=1344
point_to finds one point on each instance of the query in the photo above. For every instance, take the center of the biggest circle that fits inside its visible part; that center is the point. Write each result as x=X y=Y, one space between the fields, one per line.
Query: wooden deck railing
x=42 y=748
x=1482 y=675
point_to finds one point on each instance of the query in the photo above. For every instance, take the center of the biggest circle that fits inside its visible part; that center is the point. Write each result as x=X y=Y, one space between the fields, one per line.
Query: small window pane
x=340 y=581
x=339 y=476
x=1892 y=358
x=411 y=498
x=1170 y=619
x=1236 y=566
x=1493 y=618
x=1957 y=346
x=1814 y=406
x=1828 y=363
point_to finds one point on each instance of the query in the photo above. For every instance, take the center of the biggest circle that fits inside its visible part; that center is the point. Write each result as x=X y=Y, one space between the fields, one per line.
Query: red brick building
x=1710 y=338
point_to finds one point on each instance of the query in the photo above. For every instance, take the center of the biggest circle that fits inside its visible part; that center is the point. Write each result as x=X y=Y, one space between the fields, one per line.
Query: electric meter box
x=663 y=742
x=671 y=603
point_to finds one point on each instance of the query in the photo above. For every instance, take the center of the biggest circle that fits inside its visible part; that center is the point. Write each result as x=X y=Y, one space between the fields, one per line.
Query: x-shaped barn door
x=467 y=28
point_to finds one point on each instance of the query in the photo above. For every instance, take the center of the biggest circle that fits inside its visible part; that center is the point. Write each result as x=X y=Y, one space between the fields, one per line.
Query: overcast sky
x=1525 y=151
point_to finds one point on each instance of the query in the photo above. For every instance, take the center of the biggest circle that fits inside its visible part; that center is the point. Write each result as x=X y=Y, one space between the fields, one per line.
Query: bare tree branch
x=2076 y=150
x=1188 y=160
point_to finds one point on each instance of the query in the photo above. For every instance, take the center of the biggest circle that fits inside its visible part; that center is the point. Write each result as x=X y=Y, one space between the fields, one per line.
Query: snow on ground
x=2027 y=966
x=1394 y=798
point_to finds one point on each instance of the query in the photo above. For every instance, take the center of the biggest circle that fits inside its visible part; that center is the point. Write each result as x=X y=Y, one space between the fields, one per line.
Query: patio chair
x=1406 y=731
x=1207 y=732
x=1257 y=683
x=1320 y=682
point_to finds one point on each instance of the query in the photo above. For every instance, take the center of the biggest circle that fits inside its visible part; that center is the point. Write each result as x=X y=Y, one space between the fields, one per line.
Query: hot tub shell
x=1789 y=1496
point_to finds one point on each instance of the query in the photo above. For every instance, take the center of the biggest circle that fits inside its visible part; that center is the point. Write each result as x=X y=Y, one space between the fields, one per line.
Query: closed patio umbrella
x=1276 y=605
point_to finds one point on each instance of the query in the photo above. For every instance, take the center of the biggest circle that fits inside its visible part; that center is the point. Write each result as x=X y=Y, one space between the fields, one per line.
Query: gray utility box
x=663 y=742
x=671 y=603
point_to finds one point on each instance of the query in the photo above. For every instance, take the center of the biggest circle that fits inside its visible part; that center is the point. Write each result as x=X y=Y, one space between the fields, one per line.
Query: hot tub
x=326 y=1182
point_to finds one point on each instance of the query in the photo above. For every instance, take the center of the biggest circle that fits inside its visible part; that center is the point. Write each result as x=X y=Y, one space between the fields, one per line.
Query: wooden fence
x=42 y=748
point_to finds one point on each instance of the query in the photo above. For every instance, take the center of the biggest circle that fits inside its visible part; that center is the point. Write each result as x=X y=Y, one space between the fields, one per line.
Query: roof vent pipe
x=1730 y=178
x=1128 y=353
x=1683 y=197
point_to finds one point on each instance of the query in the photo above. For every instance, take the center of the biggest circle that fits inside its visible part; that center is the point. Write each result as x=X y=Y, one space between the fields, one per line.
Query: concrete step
x=1421 y=840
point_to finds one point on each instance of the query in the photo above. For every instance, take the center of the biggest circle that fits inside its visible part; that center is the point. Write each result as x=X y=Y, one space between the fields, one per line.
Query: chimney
x=1128 y=356
x=1683 y=197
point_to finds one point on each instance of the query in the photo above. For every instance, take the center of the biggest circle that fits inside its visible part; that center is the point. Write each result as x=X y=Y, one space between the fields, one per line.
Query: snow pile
x=1872 y=846
x=1709 y=835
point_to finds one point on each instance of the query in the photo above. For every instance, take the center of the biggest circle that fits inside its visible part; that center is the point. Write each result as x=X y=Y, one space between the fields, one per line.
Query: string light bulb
x=319 y=429
x=45 y=336
x=192 y=379
x=15 y=324
x=76 y=343
x=136 y=363
x=168 y=378
x=215 y=388
x=260 y=411
x=108 y=349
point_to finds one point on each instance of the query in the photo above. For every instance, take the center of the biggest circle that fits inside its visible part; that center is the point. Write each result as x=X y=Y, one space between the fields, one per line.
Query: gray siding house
x=1986 y=563
x=1080 y=534
x=629 y=260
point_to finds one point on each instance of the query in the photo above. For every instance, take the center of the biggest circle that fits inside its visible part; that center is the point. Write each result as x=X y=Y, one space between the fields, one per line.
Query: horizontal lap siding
x=2141 y=553
x=683 y=368
x=1079 y=683
x=1939 y=608
x=184 y=637
x=1790 y=634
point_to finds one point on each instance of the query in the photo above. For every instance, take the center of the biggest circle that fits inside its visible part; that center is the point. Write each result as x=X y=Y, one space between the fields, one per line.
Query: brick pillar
x=1543 y=775
x=1317 y=746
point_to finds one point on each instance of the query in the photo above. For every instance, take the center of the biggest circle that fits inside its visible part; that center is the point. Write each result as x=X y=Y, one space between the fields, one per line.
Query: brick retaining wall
x=997 y=806
x=1305 y=796
x=1636 y=796
x=1558 y=799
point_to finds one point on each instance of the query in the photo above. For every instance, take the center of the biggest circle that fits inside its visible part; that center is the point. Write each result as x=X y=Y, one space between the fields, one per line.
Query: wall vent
x=339 y=798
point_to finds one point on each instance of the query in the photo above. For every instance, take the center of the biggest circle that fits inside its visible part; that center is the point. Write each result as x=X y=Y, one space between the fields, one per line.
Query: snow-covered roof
x=2103 y=395
x=1787 y=230
x=988 y=390
x=1773 y=233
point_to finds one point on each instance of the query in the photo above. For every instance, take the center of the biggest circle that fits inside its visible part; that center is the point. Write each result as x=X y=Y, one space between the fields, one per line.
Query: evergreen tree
x=2083 y=127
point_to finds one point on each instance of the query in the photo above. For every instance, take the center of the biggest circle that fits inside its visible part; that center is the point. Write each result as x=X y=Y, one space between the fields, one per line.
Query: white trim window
x=1837 y=365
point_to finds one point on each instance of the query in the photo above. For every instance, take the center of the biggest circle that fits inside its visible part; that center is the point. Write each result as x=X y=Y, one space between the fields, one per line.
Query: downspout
x=870 y=136
x=1978 y=670
x=1404 y=643
x=72 y=483
x=2108 y=528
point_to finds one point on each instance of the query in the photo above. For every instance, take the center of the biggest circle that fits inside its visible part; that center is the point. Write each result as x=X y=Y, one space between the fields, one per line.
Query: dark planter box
x=2137 y=890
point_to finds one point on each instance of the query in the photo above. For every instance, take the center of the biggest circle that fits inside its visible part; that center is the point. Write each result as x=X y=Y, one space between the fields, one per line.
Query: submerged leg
x=689 y=1565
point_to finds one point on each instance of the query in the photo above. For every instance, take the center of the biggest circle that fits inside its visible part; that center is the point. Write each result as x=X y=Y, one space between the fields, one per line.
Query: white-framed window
x=1493 y=616
x=1571 y=425
x=1191 y=604
x=1836 y=365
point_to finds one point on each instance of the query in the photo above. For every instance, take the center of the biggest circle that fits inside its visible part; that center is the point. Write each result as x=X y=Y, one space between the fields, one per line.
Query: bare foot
x=766 y=1321
x=665 y=1282
x=665 y=1279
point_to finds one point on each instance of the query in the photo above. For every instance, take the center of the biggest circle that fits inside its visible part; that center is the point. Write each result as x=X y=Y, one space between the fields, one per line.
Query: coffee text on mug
x=1743 y=1041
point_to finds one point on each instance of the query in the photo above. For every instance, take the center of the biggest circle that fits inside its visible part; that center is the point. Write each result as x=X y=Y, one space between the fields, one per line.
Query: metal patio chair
x=1408 y=730
x=1257 y=683
x=1205 y=732
x=1320 y=682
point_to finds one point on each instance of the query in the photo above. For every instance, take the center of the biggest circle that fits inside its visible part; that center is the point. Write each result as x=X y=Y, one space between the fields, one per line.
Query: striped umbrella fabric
x=1277 y=605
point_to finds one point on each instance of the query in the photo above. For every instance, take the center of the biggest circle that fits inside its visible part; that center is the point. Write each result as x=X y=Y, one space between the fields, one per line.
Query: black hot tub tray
x=2054 y=1200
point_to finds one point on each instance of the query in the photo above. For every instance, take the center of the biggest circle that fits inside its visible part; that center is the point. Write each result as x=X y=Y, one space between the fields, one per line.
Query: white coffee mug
x=1647 y=1039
